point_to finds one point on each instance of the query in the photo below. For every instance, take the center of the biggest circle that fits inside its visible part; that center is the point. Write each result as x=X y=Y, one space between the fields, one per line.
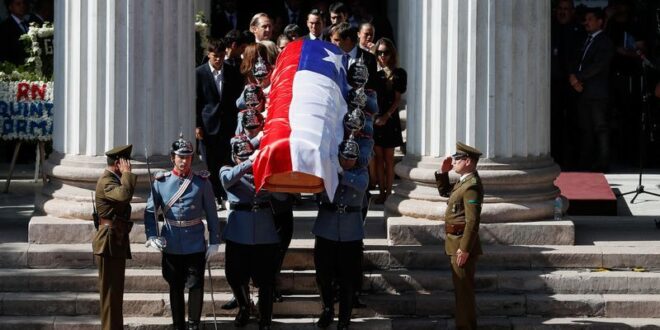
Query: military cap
x=354 y=120
x=241 y=147
x=181 y=147
x=358 y=74
x=120 y=152
x=251 y=119
x=254 y=97
x=464 y=150
x=349 y=149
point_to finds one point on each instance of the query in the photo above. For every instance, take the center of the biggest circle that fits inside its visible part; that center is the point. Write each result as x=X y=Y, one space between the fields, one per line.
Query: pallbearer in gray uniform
x=339 y=232
x=250 y=235
x=185 y=198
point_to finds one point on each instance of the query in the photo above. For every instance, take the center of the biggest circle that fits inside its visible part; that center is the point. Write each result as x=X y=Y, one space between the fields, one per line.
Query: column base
x=72 y=179
x=411 y=231
x=516 y=190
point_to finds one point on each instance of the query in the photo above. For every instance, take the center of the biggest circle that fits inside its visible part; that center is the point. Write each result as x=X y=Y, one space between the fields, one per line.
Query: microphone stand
x=645 y=94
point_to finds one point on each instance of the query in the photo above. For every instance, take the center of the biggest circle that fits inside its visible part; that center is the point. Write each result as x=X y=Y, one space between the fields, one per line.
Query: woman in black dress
x=392 y=82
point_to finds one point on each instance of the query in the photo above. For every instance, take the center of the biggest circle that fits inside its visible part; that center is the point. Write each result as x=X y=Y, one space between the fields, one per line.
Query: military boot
x=242 y=296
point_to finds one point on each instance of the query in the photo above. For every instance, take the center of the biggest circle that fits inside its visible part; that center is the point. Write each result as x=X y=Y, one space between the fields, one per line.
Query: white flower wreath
x=34 y=49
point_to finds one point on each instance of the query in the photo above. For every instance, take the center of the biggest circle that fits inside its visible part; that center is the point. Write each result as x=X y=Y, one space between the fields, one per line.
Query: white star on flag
x=335 y=59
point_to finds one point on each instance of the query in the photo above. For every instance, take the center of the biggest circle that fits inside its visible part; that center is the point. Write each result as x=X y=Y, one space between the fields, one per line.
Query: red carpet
x=588 y=193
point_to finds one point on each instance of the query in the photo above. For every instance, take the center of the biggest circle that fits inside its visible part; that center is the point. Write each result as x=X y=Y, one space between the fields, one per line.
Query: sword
x=215 y=319
x=158 y=217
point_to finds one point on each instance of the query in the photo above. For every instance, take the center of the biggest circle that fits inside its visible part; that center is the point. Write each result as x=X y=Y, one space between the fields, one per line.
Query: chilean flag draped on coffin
x=304 y=124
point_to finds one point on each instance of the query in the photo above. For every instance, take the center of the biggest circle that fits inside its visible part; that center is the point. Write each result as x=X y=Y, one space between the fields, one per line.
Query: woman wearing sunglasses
x=392 y=82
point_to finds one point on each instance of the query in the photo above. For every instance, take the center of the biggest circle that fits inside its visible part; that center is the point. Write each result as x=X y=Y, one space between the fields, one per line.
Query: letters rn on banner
x=26 y=110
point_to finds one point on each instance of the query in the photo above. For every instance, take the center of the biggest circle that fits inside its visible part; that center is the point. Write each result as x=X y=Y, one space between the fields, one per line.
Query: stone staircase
x=50 y=282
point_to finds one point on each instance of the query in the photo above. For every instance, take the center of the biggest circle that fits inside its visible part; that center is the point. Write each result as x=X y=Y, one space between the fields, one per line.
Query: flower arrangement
x=202 y=39
x=32 y=40
x=26 y=110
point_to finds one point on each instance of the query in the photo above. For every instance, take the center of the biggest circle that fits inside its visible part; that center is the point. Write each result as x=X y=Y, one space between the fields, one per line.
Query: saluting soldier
x=251 y=238
x=184 y=198
x=462 y=227
x=339 y=232
x=114 y=191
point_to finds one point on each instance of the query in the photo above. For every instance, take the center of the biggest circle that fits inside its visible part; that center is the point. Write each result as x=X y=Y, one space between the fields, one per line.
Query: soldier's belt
x=454 y=229
x=340 y=208
x=112 y=223
x=249 y=207
x=183 y=223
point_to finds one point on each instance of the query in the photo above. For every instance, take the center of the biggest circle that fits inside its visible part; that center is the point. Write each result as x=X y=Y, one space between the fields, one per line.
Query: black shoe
x=230 y=304
x=342 y=326
x=264 y=326
x=242 y=318
x=357 y=303
x=193 y=325
x=326 y=317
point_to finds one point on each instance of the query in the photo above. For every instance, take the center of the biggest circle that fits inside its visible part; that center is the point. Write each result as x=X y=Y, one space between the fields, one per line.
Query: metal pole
x=215 y=319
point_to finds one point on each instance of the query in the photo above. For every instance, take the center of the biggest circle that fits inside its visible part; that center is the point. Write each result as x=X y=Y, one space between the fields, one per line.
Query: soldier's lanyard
x=178 y=193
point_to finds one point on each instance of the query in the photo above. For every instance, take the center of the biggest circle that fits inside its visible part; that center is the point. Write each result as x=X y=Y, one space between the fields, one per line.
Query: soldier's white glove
x=254 y=155
x=156 y=242
x=212 y=250
x=260 y=135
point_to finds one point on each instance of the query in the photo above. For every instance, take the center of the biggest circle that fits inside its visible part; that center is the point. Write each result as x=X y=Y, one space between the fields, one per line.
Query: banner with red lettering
x=26 y=110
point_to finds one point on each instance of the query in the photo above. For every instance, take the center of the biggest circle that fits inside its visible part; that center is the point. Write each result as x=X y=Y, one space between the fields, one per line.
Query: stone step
x=164 y=323
x=412 y=231
x=417 y=304
x=377 y=255
x=52 y=230
x=389 y=281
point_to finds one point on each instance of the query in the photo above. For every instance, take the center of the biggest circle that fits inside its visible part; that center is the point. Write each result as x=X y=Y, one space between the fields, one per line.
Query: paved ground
x=634 y=226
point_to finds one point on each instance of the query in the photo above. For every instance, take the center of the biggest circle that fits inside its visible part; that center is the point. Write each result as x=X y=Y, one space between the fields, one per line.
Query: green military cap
x=120 y=152
x=464 y=150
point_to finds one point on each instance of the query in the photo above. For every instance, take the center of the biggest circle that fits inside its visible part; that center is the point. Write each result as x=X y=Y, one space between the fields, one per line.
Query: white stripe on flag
x=316 y=118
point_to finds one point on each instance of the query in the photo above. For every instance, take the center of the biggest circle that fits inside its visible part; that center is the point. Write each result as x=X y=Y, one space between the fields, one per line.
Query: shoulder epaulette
x=203 y=174
x=161 y=175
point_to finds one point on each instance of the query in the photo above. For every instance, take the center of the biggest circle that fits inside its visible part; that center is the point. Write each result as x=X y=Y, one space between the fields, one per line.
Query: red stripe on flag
x=275 y=154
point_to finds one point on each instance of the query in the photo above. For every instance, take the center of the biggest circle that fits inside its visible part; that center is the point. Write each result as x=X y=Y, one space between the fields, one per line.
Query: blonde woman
x=392 y=82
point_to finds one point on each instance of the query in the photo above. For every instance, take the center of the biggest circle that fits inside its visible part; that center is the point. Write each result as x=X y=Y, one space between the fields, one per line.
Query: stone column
x=124 y=73
x=478 y=72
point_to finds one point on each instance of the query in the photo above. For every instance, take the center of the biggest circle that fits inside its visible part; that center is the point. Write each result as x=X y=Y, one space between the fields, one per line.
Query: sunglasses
x=382 y=53
x=459 y=158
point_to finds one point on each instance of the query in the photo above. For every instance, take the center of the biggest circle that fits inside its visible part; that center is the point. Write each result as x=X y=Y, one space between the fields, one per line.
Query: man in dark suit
x=236 y=42
x=315 y=25
x=567 y=37
x=225 y=17
x=345 y=37
x=288 y=12
x=590 y=79
x=11 y=29
x=218 y=86
x=43 y=12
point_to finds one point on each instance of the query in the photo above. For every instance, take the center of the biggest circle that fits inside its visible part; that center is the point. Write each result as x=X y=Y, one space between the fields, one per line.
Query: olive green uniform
x=463 y=214
x=111 y=244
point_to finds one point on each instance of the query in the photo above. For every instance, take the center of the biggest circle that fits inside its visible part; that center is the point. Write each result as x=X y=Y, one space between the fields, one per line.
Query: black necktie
x=232 y=21
x=25 y=26
x=587 y=43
